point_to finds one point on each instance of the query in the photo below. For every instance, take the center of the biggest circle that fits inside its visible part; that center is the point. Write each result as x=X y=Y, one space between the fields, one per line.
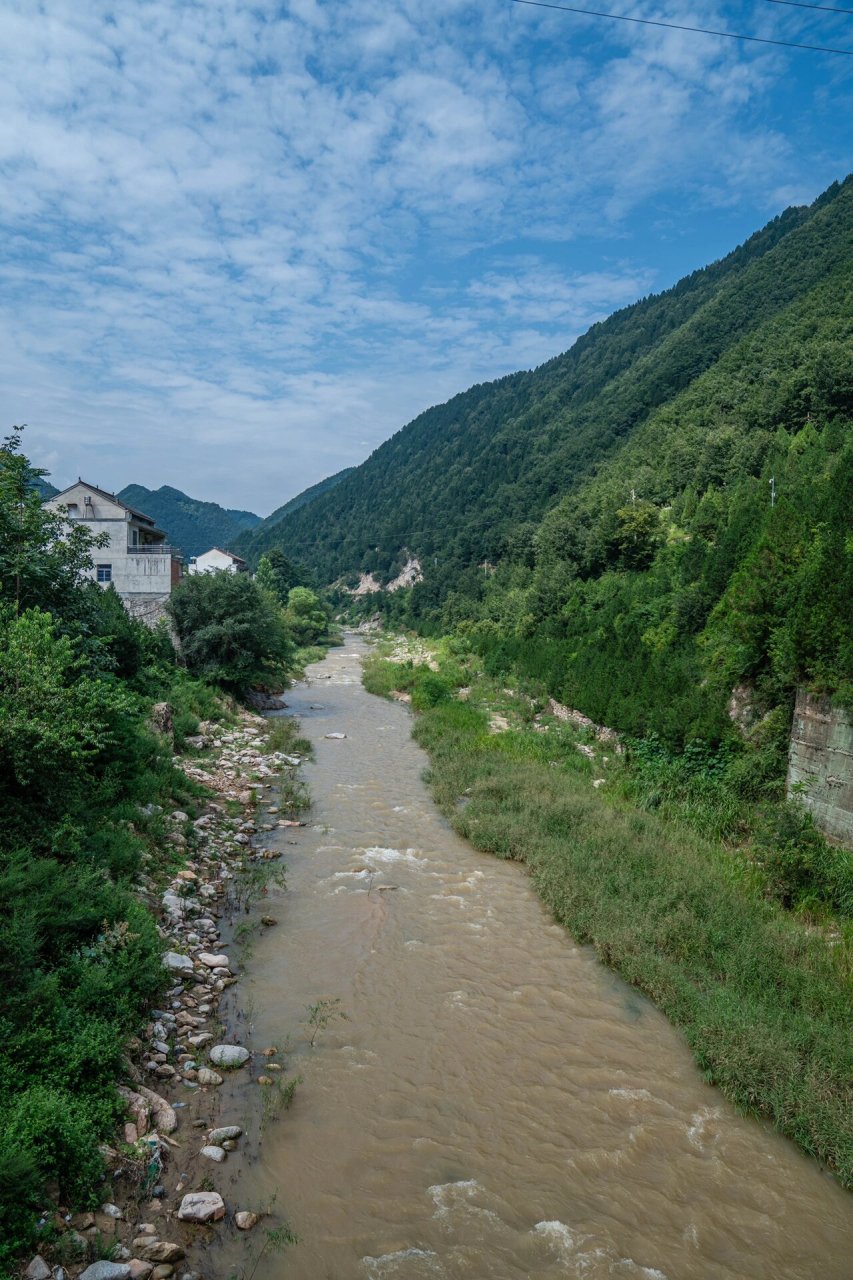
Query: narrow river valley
x=497 y=1105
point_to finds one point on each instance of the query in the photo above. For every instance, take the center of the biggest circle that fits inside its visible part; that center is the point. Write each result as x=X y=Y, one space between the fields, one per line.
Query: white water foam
x=558 y=1235
x=377 y=853
x=387 y=1264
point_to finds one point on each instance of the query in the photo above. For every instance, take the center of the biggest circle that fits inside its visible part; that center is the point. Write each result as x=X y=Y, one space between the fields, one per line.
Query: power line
x=801 y=4
x=675 y=26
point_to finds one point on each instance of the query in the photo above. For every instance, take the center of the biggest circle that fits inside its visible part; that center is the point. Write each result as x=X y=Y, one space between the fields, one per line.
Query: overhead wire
x=677 y=26
x=801 y=4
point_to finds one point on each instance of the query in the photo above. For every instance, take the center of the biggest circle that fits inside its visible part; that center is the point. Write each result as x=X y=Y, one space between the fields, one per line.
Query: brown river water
x=498 y=1104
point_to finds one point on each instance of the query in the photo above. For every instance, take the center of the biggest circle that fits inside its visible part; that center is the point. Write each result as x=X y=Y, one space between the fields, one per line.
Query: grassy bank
x=763 y=1000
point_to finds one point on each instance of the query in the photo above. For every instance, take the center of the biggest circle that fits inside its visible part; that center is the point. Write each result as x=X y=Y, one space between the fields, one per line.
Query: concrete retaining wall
x=821 y=756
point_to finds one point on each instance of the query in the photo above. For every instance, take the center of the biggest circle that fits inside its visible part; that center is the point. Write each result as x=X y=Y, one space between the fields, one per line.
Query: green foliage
x=79 y=772
x=42 y=554
x=306 y=618
x=231 y=632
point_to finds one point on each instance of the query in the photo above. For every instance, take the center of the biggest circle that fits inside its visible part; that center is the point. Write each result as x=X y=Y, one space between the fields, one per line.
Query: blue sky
x=243 y=244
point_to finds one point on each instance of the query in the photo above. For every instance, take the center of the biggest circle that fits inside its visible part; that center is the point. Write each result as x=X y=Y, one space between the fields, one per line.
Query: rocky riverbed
x=161 y=1202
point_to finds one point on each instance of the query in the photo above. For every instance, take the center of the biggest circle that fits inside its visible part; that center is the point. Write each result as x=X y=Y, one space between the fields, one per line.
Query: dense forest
x=255 y=541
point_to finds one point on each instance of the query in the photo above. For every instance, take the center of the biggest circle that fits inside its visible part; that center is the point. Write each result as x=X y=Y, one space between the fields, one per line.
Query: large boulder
x=177 y=963
x=165 y=1119
x=202 y=1206
x=105 y=1270
x=229 y=1055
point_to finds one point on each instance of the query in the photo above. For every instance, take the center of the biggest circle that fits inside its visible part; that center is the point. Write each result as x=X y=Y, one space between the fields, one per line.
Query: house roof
x=139 y=515
x=223 y=552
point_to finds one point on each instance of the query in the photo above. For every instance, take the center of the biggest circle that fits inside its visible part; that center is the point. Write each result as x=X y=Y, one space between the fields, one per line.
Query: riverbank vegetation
x=695 y=920
x=86 y=775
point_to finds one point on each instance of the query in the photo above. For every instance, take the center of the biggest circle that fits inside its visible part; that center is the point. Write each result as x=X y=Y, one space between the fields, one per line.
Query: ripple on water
x=405 y=1263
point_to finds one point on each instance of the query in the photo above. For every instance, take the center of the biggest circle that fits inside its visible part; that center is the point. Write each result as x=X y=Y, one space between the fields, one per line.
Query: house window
x=105 y=573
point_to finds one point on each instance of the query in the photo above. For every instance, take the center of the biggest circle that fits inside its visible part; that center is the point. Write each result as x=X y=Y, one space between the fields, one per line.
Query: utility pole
x=633 y=496
x=773 y=491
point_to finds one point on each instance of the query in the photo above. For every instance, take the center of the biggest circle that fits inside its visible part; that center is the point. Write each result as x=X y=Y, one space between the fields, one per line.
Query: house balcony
x=152 y=549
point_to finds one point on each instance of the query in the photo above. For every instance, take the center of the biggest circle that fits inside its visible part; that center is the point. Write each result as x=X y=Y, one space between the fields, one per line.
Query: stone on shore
x=213 y=1153
x=214 y=962
x=105 y=1270
x=226 y=1131
x=177 y=963
x=165 y=1119
x=245 y=1220
x=229 y=1055
x=206 y=1076
x=202 y=1206
x=162 y=1251
x=38 y=1269
x=140 y=1270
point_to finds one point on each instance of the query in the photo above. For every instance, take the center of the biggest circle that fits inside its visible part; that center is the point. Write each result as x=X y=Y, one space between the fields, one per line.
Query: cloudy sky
x=244 y=243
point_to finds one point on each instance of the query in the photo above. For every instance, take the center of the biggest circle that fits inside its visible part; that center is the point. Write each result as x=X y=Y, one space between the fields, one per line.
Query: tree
x=230 y=630
x=306 y=618
x=43 y=554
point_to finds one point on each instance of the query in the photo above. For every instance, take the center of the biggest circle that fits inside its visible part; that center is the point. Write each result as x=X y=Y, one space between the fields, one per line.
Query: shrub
x=231 y=632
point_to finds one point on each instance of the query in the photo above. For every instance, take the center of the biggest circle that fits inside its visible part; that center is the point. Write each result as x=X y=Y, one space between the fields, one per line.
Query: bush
x=429 y=690
x=231 y=632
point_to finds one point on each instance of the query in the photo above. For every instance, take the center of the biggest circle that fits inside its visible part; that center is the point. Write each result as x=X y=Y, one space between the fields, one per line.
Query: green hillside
x=255 y=541
x=192 y=525
x=456 y=483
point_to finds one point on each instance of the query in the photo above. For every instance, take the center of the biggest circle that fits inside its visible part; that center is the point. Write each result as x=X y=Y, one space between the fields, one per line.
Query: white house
x=138 y=561
x=217 y=560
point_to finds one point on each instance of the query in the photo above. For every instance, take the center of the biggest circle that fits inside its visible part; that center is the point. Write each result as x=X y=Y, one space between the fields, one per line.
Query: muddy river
x=498 y=1104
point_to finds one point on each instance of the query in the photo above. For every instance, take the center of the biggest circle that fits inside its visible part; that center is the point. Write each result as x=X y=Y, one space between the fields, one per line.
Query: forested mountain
x=254 y=543
x=455 y=484
x=656 y=516
x=192 y=525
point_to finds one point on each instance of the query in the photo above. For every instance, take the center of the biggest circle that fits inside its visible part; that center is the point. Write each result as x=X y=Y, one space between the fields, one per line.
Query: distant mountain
x=465 y=480
x=191 y=524
x=252 y=544
x=45 y=488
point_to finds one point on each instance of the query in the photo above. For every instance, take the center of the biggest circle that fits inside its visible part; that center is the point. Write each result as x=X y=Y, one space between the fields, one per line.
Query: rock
x=202 y=1206
x=206 y=1076
x=245 y=1220
x=213 y=1153
x=163 y=1272
x=138 y=1108
x=264 y=1080
x=104 y=1270
x=177 y=963
x=227 y=1131
x=38 y=1269
x=229 y=1055
x=162 y=1251
x=160 y=719
x=268 y=921
x=111 y=1210
x=140 y=1270
x=214 y=962
x=336 y=736
x=165 y=1119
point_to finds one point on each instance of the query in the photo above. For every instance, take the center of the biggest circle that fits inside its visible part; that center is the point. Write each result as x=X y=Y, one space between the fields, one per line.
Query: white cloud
x=272 y=230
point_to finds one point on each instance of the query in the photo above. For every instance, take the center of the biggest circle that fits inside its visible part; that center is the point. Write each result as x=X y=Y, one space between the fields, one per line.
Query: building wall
x=144 y=573
x=209 y=561
x=821 y=758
